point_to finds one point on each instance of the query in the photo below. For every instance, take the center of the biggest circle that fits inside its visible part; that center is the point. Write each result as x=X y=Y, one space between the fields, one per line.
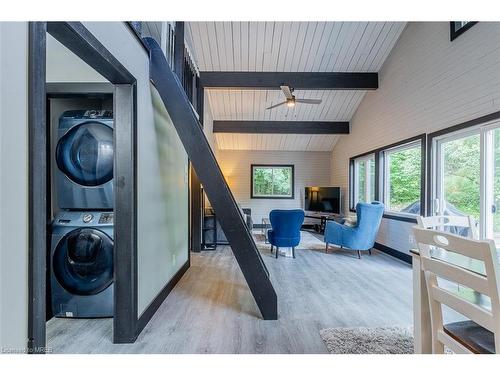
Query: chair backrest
x=369 y=216
x=286 y=223
x=430 y=241
x=464 y=226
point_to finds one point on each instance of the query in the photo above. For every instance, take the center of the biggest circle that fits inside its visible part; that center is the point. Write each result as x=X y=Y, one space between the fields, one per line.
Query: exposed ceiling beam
x=282 y=127
x=296 y=80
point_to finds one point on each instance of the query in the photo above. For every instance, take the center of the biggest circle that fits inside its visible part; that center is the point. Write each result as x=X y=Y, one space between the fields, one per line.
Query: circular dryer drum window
x=83 y=261
x=85 y=154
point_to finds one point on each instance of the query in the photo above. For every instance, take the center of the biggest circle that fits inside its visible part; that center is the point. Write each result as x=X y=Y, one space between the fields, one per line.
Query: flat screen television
x=323 y=199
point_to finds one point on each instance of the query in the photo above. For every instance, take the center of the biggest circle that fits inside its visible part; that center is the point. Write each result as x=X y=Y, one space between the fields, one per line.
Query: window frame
x=480 y=127
x=431 y=150
x=366 y=159
x=386 y=177
x=428 y=158
x=253 y=196
x=379 y=177
x=455 y=33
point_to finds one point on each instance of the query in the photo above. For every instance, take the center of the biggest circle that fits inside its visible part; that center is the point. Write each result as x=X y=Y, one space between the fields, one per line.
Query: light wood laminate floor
x=211 y=309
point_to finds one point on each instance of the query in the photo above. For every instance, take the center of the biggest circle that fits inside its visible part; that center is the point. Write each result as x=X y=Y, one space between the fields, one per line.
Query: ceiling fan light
x=290 y=103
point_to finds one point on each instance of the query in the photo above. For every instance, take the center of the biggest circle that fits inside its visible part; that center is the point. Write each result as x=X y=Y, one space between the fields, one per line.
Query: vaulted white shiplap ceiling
x=292 y=46
x=276 y=142
x=288 y=46
x=251 y=105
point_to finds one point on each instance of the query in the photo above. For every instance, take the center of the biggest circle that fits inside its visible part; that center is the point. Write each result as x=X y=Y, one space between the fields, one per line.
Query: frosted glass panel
x=162 y=204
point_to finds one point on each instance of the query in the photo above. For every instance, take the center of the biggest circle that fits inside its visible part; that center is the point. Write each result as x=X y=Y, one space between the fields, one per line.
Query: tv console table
x=324 y=218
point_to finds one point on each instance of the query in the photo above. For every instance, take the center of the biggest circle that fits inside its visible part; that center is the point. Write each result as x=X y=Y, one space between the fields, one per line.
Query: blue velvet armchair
x=360 y=237
x=285 y=230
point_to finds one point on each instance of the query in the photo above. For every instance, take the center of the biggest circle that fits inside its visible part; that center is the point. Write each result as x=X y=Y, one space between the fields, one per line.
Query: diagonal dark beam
x=296 y=80
x=203 y=160
x=85 y=45
x=282 y=127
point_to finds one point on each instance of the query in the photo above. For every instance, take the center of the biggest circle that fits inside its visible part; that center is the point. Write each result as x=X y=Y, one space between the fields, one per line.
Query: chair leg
x=370 y=251
x=326 y=248
x=293 y=252
x=359 y=254
x=272 y=249
x=277 y=251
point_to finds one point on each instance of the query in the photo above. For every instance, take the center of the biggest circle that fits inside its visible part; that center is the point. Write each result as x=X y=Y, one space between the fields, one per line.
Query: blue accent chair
x=285 y=230
x=360 y=237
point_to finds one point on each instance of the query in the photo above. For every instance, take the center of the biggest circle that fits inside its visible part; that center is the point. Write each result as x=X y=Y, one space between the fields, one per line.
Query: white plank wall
x=311 y=169
x=427 y=83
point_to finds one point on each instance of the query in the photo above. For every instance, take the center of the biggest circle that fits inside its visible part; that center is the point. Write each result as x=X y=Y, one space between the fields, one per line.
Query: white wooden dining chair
x=444 y=222
x=480 y=334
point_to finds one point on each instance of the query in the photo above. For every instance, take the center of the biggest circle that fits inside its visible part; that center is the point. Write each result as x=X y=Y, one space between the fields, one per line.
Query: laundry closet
x=80 y=255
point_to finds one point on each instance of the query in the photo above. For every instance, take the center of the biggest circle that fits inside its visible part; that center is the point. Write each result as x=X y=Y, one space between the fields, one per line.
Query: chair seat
x=471 y=335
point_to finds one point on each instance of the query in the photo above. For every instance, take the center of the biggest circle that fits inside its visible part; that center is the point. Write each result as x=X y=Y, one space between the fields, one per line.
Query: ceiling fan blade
x=308 y=101
x=276 y=105
x=287 y=91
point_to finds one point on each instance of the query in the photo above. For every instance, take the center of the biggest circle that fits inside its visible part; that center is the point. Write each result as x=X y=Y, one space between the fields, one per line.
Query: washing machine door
x=83 y=261
x=85 y=154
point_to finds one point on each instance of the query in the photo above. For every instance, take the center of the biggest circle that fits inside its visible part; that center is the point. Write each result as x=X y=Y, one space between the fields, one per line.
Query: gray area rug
x=360 y=340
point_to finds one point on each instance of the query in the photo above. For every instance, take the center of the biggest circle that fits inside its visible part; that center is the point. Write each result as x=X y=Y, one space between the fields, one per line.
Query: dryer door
x=85 y=154
x=83 y=261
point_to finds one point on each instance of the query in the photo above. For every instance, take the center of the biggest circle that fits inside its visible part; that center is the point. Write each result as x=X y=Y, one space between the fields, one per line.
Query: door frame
x=78 y=39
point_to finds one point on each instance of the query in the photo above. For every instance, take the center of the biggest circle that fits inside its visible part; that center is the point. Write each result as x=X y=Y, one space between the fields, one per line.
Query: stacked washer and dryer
x=82 y=230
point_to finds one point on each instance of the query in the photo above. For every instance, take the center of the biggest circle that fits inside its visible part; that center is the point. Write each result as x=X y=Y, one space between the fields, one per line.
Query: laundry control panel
x=95 y=113
x=106 y=218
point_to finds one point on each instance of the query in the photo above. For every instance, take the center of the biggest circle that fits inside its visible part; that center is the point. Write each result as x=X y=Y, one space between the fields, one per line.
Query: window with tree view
x=461 y=175
x=364 y=179
x=272 y=181
x=467 y=177
x=403 y=178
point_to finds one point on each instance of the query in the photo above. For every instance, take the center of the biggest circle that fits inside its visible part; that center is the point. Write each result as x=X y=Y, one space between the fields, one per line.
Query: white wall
x=162 y=200
x=13 y=185
x=311 y=169
x=428 y=83
x=64 y=66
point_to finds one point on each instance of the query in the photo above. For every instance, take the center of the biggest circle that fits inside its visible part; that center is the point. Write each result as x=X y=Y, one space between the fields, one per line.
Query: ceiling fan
x=291 y=99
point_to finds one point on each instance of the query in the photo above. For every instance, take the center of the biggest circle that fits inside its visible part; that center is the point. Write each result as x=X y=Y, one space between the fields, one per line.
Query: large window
x=403 y=178
x=272 y=181
x=466 y=176
x=393 y=174
x=364 y=179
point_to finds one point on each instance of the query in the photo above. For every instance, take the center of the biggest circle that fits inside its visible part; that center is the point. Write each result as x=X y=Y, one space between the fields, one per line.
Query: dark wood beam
x=86 y=46
x=38 y=204
x=179 y=49
x=282 y=127
x=296 y=80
